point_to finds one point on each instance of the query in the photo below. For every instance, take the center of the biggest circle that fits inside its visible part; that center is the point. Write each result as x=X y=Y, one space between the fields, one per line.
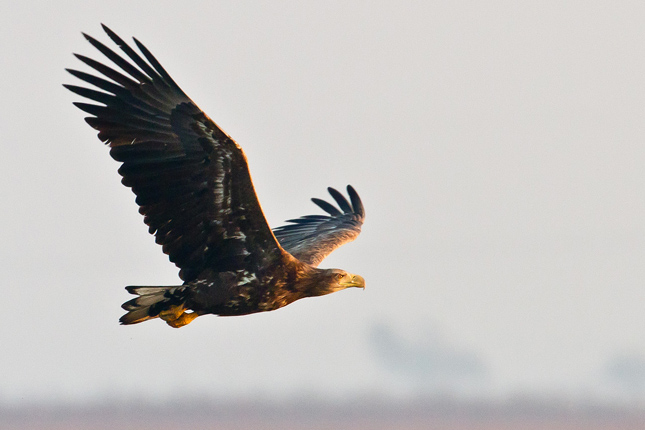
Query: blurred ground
x=314 y=415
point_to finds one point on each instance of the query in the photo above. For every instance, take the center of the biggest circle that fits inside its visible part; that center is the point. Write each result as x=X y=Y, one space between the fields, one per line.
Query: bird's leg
x=172 y=313
x=175 y=316
x=182 y=320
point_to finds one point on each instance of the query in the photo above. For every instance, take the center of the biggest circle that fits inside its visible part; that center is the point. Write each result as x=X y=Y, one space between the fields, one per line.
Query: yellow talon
x=176 y=317
x=182 y=320
x=172 y=313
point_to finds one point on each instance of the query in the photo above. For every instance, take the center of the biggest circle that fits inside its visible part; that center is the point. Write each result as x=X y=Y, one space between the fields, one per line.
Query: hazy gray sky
x=498 y=148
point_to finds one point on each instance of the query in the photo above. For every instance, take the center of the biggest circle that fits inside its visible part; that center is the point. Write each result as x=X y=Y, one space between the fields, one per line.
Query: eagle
x=194 y=190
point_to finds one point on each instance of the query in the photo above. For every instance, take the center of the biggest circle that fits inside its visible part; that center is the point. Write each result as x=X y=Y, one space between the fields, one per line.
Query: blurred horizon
x=310 y=412
x=426 y=366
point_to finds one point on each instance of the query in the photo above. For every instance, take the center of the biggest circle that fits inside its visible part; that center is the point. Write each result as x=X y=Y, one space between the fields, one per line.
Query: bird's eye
x=339 y=276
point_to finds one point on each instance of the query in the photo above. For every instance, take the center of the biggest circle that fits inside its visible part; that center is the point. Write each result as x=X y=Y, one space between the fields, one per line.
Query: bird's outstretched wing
x=191 y=179
x=311 y=238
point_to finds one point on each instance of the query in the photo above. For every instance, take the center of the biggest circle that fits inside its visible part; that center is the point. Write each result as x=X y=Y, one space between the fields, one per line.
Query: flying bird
x=193 y=187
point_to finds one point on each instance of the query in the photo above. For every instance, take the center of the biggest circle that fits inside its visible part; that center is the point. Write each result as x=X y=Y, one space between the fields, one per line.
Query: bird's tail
x=153 y=302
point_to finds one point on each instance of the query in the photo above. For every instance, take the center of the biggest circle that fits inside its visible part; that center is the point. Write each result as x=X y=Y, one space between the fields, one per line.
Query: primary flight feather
x=194 y=190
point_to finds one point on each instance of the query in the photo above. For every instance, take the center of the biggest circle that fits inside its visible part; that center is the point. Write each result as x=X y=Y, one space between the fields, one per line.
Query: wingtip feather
x=357 y=204
x=106 y=29
x=340 y=199
x=327 y=207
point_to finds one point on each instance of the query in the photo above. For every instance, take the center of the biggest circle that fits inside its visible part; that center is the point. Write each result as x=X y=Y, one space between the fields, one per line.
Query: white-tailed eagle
x=194 y=190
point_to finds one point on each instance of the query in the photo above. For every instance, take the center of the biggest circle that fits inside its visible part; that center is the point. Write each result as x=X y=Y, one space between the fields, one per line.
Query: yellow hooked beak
x=354 y=281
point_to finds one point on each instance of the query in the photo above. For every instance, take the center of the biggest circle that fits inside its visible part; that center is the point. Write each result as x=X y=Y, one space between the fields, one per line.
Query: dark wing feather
x=311 y=238
x=191 y=179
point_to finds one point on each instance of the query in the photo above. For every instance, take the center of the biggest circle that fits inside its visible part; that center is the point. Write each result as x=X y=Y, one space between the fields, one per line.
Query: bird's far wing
x=311 y=238
x=191 y=179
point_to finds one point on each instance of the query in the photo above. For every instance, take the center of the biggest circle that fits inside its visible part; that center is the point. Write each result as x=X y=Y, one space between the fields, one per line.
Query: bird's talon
x=182 y=320
x=172 y=313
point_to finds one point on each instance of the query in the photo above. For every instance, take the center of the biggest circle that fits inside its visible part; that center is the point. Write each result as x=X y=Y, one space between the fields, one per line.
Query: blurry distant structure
x=429 y=364
x=626 y=372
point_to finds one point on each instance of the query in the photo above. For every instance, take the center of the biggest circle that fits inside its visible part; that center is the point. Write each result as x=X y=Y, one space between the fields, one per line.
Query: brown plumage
x=194 y=190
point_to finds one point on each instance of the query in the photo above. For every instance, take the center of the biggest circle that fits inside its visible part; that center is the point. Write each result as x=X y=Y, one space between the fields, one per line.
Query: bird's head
x=336 y=280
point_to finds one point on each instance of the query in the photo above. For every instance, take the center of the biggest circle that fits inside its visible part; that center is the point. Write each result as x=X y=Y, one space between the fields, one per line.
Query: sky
x=497 y=147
